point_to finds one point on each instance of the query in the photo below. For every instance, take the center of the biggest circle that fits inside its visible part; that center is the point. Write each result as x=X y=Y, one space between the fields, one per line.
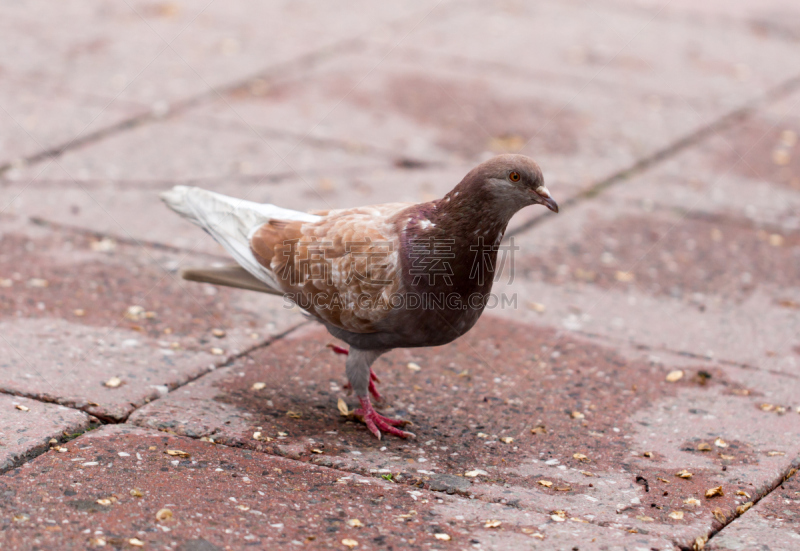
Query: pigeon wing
x=343 y=269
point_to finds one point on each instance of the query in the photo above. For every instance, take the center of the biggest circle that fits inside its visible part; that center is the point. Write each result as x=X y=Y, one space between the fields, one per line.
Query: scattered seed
x=22 y=408
x=442 y=536
x=259 y=386
x=258 y=435
x=719 y=515
x=767 y=407
x=492 y=524
x=545 y=483
x=113 y=382
x=563 y=489
x=134 y=312
x=742 y=509
x=558 y=516
x=577 y=415
x=625 y=277
x=694 y=502
x=781 y=157
x=97 y=542
x=413 y=366
x=540 y=429
x=482 y=435
x=587 y=473
x=720 y=443
x=773 y=454
x=674 y=376
x=315 y=450
x=742 y=493
x=294 y=414
x=104 y=501
x=476 y=472
x=506 y=440
x=648 y=454
x=704 y=447
x=726 y=457
x=699 y=543
x=136 y=492
x=177 y=453
x=243 y=507
x=355 y=523
x=219 y=333
x=645 y=518
x=581 y=457
x=344 y=411
x=536 y=307
x=136 y=542
x=347 y=542
x=37 y=282
x=283 y=434
x=683 y=473
x=677 y=515
x=22 y=517
x=78 y=312
x=103 y=245
x=164 y=515
x=664 y=480
x=713 y=492
x=217 y=351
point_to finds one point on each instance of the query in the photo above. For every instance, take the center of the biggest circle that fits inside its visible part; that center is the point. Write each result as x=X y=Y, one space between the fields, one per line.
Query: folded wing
x=343 y=269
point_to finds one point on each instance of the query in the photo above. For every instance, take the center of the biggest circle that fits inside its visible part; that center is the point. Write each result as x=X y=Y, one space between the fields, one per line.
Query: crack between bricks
x=301 y=63
x=227 y=363
x=684 y=353
x=125 y=240
x=788 y=473
x=644 y=164
x=36 y=451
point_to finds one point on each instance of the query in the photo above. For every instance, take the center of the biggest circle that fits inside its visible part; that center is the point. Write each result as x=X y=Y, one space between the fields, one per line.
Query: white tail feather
x=231 y=222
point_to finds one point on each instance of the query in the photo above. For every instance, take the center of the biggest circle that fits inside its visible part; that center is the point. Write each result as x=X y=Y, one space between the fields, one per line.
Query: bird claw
x=377 y=423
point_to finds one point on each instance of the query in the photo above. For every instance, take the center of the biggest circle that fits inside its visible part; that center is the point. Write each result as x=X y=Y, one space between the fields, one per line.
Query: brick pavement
x=669 y=132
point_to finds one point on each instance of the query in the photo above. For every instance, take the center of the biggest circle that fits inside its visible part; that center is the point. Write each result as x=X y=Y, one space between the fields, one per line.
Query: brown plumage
x=367 y=273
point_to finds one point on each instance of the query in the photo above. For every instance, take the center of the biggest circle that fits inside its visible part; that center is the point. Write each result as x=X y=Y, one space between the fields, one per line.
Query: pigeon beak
x=545 y=198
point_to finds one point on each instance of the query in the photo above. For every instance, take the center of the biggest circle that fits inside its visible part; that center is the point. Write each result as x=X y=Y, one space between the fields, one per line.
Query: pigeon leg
x=372 y=377
x=359 y=373
x=377 y=423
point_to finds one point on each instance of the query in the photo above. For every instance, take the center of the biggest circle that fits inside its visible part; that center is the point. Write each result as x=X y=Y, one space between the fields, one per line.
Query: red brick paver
x=120 y=486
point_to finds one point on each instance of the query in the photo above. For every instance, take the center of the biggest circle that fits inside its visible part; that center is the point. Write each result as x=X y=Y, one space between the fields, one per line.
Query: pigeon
x=395 y=275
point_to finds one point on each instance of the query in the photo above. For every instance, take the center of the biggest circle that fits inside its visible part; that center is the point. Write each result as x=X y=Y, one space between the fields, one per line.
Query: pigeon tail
x=231 y=222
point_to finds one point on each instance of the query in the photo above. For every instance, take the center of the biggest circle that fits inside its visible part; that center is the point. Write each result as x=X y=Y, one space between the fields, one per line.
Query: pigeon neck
x=476 y=211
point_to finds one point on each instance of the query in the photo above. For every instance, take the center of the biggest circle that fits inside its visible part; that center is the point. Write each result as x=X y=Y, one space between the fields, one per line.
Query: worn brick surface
x=690 y=265
x=76 y=311
x=223 y=498
x=501 y=383
x=27 y=426
x=156 y=52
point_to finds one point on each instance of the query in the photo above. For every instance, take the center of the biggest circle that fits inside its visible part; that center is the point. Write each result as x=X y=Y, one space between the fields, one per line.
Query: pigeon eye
x=514 y=177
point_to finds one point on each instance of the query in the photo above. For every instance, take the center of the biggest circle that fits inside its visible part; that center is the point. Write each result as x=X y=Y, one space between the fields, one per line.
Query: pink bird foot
x=372 y=377
x=377 y=423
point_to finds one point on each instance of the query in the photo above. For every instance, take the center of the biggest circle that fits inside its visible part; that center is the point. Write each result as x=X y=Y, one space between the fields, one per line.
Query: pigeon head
x=511 y=182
